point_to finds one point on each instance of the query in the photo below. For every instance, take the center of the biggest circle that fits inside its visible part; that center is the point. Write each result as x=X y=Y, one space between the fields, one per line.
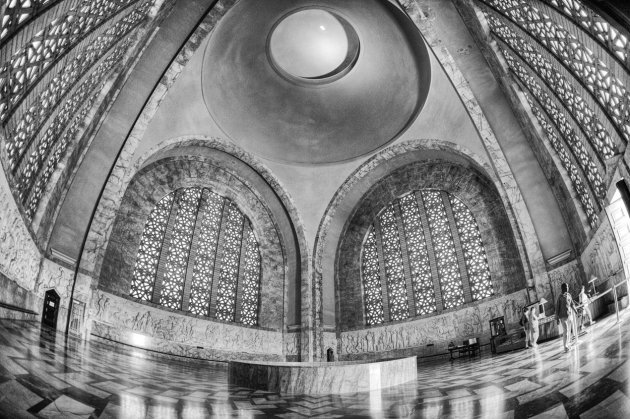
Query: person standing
x=564 y=313
x=524 y=322
x=584 y=302
x=534 y=331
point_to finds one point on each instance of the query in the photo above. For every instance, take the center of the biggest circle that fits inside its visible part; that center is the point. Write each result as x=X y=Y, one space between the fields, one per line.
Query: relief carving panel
x=439 y=330
x=123 y=316
x=19 y=256
x=601 y=257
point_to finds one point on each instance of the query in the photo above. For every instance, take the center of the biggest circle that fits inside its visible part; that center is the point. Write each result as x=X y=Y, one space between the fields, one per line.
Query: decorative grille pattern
x=251 y=277
x=56 y=156
x=567 y=163
x=423 y=291
x=561 y=87
x=474 y=252
x=211 y=210
x=370 y=270
x=31 y=121
x=19 y=12
x=444 y=247
x=392 y=255
x=150 y=247
x=423 y=235
x=41 y=149
x=608 y=90
x=31 y=62
x=226 y=298
x=40 y=129
x=610 y=38
x=560 y=122
x=179 y=249
x=207 y=234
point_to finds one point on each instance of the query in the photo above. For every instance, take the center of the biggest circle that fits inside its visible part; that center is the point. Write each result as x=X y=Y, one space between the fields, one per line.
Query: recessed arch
x=399 y=160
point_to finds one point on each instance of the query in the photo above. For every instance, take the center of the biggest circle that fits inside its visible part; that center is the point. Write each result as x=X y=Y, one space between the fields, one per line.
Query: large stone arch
x=257 y=176
x=346 y=201
x=211 y=171
x=464 y=182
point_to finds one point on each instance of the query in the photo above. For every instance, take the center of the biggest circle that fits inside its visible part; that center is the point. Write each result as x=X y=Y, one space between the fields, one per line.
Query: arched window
x=422 y=253
x=198 y=253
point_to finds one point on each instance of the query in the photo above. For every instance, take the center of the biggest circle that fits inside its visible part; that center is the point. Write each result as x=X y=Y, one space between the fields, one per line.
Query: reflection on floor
x=40 y=377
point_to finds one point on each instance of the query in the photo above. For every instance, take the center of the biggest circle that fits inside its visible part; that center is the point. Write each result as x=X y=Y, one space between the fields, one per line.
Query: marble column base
x=322 y=377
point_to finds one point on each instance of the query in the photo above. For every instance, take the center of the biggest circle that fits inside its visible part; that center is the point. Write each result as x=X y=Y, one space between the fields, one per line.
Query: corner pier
x=322 y=377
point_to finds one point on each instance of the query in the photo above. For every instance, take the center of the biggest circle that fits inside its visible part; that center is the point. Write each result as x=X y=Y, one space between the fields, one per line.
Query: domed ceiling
x=314 y=82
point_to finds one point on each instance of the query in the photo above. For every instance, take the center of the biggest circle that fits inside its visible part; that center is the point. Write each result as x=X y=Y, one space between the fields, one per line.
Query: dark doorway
x=330 y=355
x=51 y=309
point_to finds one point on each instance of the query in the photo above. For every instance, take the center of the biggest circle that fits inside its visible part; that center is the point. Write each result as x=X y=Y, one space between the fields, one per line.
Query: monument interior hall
x=314 y=208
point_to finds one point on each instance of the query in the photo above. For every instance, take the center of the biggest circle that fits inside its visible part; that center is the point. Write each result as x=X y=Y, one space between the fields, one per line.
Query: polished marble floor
x=42 y=377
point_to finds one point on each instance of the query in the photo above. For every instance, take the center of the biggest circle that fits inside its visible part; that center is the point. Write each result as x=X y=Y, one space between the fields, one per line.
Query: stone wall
x=411 y=337
x=12 y=293
x=601 y=256
x=19 y=256
x=292 y=346
x=467 y=184
x=135 y=324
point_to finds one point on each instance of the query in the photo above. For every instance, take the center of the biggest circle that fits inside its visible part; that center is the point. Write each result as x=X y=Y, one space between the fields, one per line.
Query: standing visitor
x=533 y=326
x=524 y=322
x=564 y=312
x=586 y=312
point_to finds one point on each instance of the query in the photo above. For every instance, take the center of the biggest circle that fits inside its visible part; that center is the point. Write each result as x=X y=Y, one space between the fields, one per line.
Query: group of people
x=567 y=314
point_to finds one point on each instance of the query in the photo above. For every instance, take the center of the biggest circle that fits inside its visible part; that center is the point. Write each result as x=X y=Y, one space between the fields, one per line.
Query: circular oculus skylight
x=313 y=45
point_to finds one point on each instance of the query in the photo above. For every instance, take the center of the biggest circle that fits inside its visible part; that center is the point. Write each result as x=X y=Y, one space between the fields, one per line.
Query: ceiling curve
x=351 y=89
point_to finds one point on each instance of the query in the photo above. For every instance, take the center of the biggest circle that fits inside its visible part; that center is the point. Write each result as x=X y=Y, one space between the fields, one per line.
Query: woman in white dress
x=533 y=326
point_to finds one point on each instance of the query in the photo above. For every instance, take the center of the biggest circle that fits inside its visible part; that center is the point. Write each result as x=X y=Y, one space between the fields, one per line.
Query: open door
x=51 y=309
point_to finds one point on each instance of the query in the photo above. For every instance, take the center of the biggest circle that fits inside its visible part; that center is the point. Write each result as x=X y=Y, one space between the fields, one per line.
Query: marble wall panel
x=323 y=377
x=19 y=255
x=292 y=345
x=126 y=321
x=601 y=256
x=12 y=293
x=57 y=277
x=411 y=337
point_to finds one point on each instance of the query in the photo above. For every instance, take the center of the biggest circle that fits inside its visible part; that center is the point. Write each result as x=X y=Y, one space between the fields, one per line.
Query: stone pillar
x=306 y=314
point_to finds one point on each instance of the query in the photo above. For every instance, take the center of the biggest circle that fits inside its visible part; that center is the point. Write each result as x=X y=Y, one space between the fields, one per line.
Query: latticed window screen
x=52 y=70
x=411 y=248
x=610 y=92
x=198 y=241
x=150 y=248
x=552 y=60
x=31 y=62
x=372 y=280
